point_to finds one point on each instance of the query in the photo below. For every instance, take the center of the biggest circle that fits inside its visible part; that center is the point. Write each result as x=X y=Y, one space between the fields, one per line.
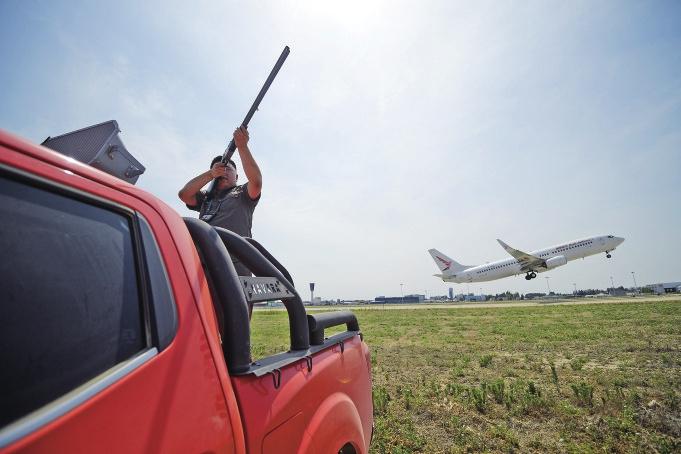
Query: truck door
x=99 y=351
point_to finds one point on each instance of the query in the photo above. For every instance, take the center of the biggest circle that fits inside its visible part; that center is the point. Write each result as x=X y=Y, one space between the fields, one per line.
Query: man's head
x=229 y=177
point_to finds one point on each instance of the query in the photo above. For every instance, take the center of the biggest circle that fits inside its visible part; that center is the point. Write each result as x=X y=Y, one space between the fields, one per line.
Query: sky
x=393 y=127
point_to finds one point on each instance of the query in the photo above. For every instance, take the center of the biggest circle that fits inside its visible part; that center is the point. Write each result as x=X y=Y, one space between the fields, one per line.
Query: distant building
x=438 y=298
x=530 y=296
x=472 y=297
x=451 y=293
x=665 y=287
x=316 y=301
x=406 y=299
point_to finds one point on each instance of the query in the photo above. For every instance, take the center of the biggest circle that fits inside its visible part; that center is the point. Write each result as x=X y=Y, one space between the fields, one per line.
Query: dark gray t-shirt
x=231 y=209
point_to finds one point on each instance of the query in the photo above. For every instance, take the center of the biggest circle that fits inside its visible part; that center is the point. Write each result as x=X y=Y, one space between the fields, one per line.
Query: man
x=230 y=205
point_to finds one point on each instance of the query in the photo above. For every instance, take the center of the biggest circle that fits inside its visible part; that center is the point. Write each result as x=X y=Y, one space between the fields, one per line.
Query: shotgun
x=229 y=151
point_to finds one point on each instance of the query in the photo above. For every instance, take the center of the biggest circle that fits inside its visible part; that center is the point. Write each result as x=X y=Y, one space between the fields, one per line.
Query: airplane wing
x=527 y=261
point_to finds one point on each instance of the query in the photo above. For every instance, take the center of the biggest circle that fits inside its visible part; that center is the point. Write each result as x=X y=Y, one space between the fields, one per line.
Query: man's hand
x=218 y=170
x=241 y=137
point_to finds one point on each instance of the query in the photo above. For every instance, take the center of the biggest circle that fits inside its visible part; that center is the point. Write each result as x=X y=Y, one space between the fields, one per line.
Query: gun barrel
x=229 y=151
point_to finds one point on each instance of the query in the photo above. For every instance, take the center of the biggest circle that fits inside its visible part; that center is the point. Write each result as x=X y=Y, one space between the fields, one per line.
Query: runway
x=491 y=304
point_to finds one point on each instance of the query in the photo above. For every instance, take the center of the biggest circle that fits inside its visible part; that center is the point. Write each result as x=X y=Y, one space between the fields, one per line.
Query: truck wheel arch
x=334 y=426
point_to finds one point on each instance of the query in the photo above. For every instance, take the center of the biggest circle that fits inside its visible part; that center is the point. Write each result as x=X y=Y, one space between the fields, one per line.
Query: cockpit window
x=610 y=236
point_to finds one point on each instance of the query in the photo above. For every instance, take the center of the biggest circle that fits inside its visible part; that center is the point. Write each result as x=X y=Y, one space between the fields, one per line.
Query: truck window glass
x=70 y=301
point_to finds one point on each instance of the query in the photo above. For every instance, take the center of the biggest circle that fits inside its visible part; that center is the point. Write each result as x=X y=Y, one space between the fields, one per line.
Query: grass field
x=573 y=378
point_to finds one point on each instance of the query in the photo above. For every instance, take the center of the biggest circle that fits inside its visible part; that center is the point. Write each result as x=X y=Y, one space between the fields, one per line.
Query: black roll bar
x=231 y=303
x=255 y=261
x=271 y=258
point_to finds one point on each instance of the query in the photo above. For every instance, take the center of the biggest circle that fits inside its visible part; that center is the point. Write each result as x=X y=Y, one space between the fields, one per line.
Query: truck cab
x=124 y=328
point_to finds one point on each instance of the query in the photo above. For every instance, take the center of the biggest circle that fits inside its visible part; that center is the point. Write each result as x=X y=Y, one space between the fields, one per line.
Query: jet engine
x=555 y=262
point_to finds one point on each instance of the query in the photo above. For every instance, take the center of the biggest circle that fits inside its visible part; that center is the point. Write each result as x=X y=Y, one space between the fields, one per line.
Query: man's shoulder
x=247 y=195
x=200 y=197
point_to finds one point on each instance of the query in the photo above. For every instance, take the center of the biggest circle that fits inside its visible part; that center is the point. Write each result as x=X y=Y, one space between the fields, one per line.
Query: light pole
x=575 y=286
x=633 y=275
x=612 y=283
x=547 y=285
x=402 y=292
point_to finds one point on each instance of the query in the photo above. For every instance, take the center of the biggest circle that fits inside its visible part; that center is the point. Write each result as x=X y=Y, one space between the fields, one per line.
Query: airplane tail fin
x=446 y=264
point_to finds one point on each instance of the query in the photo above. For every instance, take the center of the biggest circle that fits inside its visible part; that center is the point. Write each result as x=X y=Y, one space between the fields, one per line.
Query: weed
x=619 y=383
x=672 y=400
x=554 y=374
x=533 y=390
x=380 y=398
x=497 y=389
x=433 y=389
x=568 y=409
x=634 y=399
x=667 y=360
x=454 y=389
x=460 y=366
x=578 y=363
x=503 y=432
x=408 y=397
x=479 y=397
x=485 y=360
x=513 y=394
x=396 y=434
x=584 y=393
x=458 y=371
x=667 y=445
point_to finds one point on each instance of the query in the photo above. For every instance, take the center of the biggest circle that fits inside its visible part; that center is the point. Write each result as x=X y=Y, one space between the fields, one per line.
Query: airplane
x=535 y=262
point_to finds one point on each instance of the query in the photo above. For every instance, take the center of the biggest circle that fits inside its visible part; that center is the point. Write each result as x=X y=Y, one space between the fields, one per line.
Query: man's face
x=229 y=180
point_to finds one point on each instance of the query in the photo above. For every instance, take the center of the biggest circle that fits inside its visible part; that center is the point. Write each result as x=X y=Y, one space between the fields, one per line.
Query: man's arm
x=188 y=193
x=251 y=168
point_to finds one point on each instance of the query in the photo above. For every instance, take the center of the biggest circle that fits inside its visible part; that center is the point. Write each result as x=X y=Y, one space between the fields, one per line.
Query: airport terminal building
x=665 y=287
x=406 y=299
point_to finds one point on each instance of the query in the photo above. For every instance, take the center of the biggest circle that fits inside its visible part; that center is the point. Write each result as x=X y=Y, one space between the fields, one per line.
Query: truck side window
x=70 y=301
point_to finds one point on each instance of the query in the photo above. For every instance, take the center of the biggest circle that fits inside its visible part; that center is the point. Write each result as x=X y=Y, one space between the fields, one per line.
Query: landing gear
x=607 y=254
x=530 y=275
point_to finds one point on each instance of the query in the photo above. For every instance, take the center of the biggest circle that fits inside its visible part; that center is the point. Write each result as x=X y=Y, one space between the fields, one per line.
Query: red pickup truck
x=124 y=328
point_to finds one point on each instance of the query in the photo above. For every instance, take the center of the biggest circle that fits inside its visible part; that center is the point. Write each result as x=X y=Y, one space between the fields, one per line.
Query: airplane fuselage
x=554 y=256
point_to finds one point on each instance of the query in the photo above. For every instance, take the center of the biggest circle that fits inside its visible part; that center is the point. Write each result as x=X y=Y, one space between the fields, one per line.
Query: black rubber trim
x=163 y=307
x=266 y=365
